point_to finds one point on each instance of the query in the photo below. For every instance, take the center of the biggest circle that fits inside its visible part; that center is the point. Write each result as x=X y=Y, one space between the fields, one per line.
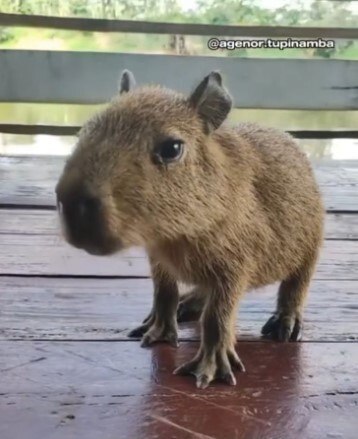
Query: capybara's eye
x=169 y=151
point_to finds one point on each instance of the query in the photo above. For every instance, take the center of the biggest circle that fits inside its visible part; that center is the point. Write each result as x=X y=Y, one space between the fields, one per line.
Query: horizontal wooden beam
x=131 y=26
x=324 y=134
x=90 y=78
x=52 y=130
x=67 y=130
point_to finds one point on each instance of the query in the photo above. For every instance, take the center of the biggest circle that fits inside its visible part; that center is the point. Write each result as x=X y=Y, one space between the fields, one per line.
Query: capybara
x=225 y=208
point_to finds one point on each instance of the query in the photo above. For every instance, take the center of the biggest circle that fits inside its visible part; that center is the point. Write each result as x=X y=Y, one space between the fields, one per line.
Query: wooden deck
x=68 y=370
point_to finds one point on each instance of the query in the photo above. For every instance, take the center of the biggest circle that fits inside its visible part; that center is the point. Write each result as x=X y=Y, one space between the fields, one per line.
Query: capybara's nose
x=85 y=207
x=79 y=210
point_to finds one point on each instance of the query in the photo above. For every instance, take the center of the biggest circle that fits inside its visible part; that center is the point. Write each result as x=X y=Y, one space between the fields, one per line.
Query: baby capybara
x=224 y=208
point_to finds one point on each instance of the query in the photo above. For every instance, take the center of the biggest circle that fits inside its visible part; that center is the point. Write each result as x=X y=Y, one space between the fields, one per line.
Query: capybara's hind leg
x=191 y=305
x=286 y=323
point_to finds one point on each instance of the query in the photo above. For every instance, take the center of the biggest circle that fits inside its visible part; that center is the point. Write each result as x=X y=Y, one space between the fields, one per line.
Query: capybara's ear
x=211 y=100
x=126 y=82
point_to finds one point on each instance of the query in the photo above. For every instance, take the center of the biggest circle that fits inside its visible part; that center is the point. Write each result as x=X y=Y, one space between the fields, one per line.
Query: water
x=336 y=149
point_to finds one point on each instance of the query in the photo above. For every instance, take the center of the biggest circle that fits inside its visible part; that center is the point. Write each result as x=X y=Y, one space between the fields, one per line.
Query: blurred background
x=315 y=13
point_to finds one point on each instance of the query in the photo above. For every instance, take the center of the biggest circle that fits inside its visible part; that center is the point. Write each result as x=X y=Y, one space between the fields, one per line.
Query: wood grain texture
x=106 y=309
x=137 y=26
x=342 y=226
x=118 y=390
x=79 y=77
x=50 y=255
x=68 y=370
x=31 y=181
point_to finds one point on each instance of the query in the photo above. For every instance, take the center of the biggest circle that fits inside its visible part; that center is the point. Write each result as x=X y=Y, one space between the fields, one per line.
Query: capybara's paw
x=283 y=327
x=207 y=368
x=190 y=308
x=139 y=331
x=155 y=332
x=143 y=328
x=149 y=318
x=161 y=332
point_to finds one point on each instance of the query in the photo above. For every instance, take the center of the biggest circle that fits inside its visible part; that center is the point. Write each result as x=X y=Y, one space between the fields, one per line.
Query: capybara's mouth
x=96 y=251
x=96 y=247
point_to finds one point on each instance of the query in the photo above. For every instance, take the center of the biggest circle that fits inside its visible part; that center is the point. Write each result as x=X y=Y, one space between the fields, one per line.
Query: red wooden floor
x=68 y=370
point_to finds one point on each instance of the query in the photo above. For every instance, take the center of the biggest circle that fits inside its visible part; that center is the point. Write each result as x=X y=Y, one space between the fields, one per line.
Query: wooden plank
x=53 y=256
x=136 y=26
x=118 y=390
x=338 y=181
x=26 y=254
x=33 y=130
x=67 y=130
x=79 y=77
x=23 y=230
x=324 y=134
x=341 y=226
x=30 y=181
x=107 y=309
x=45 y=222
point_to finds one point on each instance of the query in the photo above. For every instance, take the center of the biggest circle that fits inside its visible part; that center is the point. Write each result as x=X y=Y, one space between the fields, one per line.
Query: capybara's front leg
x=216 y=356
x=161 y=323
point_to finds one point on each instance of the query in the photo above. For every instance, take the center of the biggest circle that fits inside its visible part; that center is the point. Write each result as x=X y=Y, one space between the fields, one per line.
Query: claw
x=173 y=341
x=202 y=381
x=148 y=319
x=149 y=339
x=158 y=333
x=146 y=341
x=206 y=368
x=235 y=361
x=138 y=332
x=271 y=325
x=229 y=378
x=284 y=333
x=297 y=331
x=283 y=328
x=186 y=368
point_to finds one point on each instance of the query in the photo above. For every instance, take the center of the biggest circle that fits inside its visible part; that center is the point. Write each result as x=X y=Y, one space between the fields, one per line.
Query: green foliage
x=229 y=12
x=79 y=7
x=5 y=35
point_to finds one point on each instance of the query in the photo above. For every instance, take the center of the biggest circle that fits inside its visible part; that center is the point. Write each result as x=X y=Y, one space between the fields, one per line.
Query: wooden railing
x=91 y=78
x=130 y=26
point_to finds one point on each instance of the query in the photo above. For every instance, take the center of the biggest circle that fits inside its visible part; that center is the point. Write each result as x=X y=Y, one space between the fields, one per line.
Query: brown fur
x=240 y=210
